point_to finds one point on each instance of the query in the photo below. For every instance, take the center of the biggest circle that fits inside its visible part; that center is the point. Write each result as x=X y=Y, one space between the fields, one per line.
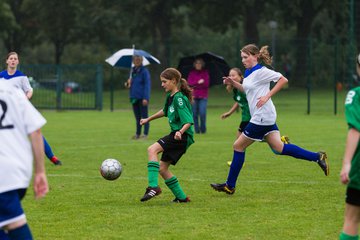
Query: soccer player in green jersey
x=179 y=113
x=350 y=172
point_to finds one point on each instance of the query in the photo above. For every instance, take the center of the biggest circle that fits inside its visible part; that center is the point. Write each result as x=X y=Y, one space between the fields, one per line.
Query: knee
x=151 y=150
x=277 y=149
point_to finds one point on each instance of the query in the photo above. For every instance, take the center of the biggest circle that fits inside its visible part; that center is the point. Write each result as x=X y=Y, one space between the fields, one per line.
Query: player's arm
x=278 y=86
x=40 y=182
x=231 y=111
x=159 y=114
x=235 y=84
x=29 y=94
x=351 y=145
x=179 y=133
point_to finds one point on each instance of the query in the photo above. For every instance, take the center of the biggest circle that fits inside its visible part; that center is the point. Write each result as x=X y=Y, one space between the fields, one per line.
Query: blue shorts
x=258 y=132
x=10 y=207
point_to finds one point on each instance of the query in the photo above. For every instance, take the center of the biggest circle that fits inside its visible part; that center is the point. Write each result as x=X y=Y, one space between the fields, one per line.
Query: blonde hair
x=262 y=54
x=229 y=87
x=174 y=74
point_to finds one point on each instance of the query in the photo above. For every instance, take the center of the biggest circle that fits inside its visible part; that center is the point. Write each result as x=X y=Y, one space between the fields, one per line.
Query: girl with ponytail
x=262 y=125
x=177 y=109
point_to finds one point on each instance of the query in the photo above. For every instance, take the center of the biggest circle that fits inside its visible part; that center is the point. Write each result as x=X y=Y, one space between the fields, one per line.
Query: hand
x=41 y=186
x=177 y=135
x=144 y=121
x=227 y=81
x=201 y=81
x=225 y=115
x=344 y=174
x=262 y=101
x=144 y=102
x=127 y=84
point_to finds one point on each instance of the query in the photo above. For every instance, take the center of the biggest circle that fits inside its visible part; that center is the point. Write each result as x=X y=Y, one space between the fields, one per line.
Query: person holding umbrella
x=139 y=84
x=198 y=79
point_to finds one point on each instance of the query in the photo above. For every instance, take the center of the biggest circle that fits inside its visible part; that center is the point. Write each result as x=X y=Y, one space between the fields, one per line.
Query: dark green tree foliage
x=61 y=22
x=18 y=25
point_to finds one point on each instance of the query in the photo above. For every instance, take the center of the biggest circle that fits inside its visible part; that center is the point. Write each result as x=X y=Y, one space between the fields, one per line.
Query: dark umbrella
x=215 y=64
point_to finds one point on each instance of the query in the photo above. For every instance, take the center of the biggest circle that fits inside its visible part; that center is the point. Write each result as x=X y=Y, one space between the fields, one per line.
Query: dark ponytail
x=186 y=90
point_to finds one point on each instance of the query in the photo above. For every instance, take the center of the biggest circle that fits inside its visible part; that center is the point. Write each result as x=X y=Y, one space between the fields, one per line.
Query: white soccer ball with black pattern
x=110 y=169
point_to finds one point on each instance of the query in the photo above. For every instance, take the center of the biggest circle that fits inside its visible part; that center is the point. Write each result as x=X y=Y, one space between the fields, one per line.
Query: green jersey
x=352 y=113
x=179 y=112
x=240 y=98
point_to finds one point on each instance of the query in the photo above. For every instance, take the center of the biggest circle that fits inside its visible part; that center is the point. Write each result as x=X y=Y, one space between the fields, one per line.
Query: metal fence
x=66 y=86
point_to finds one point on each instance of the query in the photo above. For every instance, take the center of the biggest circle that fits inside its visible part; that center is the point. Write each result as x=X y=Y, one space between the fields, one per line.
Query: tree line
x=87 y=31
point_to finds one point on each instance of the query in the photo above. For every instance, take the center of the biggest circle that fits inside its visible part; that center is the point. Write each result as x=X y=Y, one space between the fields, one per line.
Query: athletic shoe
x=135 y=137
x=323 y=163
x=222 y=187
x=177 y=200
x=285 y=139
x=150 y=193
x=144 y=137
x=57 y=162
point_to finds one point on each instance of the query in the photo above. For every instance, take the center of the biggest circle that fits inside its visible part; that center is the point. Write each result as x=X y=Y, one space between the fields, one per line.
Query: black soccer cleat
x=323 y=163
x=150 y=193
x=57 y=163
x=223 y=187
x=177 y=200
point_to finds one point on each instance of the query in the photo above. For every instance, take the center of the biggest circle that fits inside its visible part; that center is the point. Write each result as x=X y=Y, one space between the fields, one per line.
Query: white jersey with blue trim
x=256 y=85
x=18 y=118
x=18 y=79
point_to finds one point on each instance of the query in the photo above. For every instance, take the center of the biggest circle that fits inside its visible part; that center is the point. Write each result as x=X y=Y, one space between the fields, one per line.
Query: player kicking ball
x=179 y=113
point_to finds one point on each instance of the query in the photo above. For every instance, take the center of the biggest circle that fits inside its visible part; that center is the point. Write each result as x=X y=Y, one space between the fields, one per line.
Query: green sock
x=344 y=236
x=153 y=173
x=174 y=186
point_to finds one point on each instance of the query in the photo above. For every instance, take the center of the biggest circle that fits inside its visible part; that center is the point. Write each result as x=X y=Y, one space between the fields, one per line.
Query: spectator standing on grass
x=19 y=121
x=21 y=81
x=178 y=111
x=350 y=172
x=262 y=125
x=139 y=84
x=199 y=80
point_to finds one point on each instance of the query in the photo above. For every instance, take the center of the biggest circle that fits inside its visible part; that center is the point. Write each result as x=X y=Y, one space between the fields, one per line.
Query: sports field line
x=205 y=180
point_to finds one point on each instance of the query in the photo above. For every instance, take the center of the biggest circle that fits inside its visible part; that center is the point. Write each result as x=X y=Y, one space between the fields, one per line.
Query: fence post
x=58 y=86
x=335 y=74
x=99 y=84
x=309 y=73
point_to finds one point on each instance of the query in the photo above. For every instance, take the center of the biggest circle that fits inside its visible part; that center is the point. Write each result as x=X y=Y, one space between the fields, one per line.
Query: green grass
x=277 y=197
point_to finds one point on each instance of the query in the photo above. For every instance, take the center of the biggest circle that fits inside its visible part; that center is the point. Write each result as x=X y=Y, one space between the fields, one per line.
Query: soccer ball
x=110 y=169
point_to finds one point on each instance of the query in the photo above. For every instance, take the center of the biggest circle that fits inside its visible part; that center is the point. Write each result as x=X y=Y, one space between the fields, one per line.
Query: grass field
x=277 y=197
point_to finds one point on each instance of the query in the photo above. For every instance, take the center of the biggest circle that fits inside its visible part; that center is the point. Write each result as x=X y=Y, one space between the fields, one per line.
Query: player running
x=19 y=80
x=256 y=86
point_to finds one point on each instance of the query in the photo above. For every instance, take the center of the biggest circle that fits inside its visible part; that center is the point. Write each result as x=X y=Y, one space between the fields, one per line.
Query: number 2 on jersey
x=2 y=117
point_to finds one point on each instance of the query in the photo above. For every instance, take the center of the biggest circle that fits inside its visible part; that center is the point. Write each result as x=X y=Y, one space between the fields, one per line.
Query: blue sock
x=236 y=165
x=3 y=235
x=297 y=152
x=48 y=152
x=22 y=233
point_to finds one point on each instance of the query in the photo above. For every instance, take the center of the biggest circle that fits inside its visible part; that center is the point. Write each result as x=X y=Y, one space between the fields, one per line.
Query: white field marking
x=204 y=180
x=88 y=146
